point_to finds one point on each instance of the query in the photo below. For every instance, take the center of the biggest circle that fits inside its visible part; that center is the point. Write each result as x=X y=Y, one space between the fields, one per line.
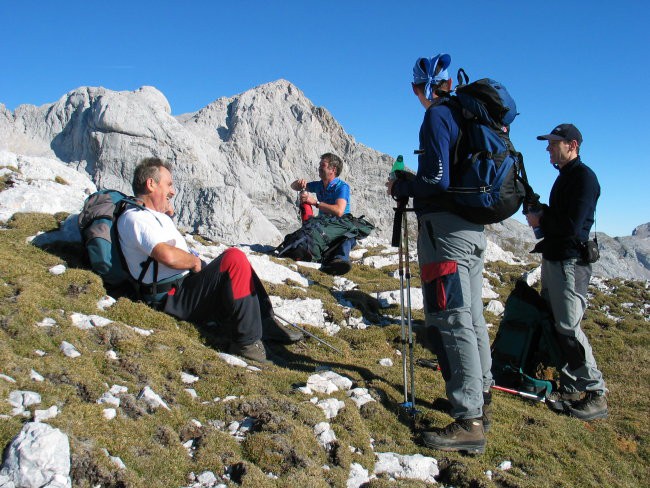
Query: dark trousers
x=226 y=291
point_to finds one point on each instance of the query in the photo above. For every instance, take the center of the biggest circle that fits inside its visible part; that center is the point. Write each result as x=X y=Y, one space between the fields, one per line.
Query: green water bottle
x=398 y=165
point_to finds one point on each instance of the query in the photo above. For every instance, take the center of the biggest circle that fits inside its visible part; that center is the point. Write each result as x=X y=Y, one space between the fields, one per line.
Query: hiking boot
x=274 y=331
x=558 y=401
x=593 y=406
x=336 y=266
x=487 y=411
x=255 y=351
x=462 y=435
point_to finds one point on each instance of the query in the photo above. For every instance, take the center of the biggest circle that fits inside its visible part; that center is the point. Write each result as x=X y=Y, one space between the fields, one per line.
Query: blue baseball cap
x=424 y=71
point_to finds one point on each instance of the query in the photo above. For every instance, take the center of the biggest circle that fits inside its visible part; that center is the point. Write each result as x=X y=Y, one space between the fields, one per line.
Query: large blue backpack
x=97 y=223
x=488 y=178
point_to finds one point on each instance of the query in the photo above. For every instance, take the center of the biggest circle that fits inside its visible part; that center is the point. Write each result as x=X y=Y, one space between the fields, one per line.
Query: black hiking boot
x=487 y=411
x=274 y=331
x=462 y=435
x=255 y=351
x=558 y=401
x=593 y=406
x=336 y=266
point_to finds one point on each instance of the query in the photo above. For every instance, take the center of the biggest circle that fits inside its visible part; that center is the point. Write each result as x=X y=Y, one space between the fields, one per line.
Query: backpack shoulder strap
x=120 y=208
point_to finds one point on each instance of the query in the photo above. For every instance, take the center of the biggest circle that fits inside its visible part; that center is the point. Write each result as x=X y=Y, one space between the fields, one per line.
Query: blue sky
x=563 y=61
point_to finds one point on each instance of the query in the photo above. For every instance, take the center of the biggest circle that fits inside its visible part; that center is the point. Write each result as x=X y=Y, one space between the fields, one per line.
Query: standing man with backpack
x=332 y=198
x=566 y=269
x=451 y=253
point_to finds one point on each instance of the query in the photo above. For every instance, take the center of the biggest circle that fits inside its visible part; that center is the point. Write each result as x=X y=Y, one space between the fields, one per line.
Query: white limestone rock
x=360 y=396
x=324 y=434
x=59 y=269
x=417 y=466
x=495 y=307
x=331 y=407
x=39 y=456
x=109 y=399
x=85 y=322
x=357 y=477
x=300 y=311
x=378 y=261
x=487 y=292
x=46 y=322
x=275 y=273
x=328 y=382
x=109 y=413
x=44 y=185
x=533 y=276
x=152 y=399
x=188 y=379
x=232 y=360
x=69 y=350
x=105 y=302
x=388 y=298
x=505 y=465
x=23 y=398
x=47 y=414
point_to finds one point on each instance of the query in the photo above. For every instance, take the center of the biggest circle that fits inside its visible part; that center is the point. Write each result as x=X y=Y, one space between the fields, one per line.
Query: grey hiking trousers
x=564 y=287
x=451 y=252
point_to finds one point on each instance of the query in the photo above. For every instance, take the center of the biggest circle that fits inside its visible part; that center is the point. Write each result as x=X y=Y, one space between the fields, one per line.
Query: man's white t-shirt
x=140 y=231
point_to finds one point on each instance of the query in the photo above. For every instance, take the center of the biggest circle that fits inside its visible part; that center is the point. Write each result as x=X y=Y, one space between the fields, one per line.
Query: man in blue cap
x=450 y=252
x=565 y=224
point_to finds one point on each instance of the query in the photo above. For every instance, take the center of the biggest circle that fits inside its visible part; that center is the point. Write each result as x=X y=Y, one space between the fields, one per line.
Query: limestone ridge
x=233 y=160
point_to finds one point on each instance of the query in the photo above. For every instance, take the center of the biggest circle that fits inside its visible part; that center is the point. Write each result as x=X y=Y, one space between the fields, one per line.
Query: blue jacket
x=336 y=189
x=439 y=133
x=568 y=218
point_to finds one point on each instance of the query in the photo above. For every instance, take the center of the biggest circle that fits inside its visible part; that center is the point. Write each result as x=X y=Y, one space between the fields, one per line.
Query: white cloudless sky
x=562 y=61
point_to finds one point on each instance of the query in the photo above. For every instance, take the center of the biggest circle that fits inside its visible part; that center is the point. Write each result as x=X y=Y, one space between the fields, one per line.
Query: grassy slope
x=545 y=449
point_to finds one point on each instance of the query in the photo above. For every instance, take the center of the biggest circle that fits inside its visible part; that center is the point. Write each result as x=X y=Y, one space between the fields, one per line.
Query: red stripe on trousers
x=235 y=263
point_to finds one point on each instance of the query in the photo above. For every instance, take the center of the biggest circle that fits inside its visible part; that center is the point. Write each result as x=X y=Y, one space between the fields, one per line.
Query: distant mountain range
x=235 y=159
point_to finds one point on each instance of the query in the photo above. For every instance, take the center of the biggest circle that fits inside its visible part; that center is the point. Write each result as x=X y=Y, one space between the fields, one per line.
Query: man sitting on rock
x=226 y=291
x=333 y=198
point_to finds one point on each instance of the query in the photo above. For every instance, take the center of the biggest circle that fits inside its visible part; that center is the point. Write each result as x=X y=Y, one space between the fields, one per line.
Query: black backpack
x=322 y=233
x=488 y=178
x=525 y=342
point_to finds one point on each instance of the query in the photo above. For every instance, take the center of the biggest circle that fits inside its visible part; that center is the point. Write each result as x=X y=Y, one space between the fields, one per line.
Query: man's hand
x=299 y=185
x=305 y=197
x=533 y=218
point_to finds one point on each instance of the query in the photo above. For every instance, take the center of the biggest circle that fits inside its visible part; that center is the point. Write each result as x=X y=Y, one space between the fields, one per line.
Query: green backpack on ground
x=320 y=234
x=524 y=342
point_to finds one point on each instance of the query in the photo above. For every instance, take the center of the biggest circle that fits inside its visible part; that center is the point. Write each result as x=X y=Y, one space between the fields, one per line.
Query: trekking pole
x=397 y=236
x=408 y=309
x=308 y=333
x=528 y=396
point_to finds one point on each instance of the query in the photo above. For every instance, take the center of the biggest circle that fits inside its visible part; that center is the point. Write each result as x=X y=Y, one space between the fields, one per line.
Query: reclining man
x=226 y=291
x=333 y=198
